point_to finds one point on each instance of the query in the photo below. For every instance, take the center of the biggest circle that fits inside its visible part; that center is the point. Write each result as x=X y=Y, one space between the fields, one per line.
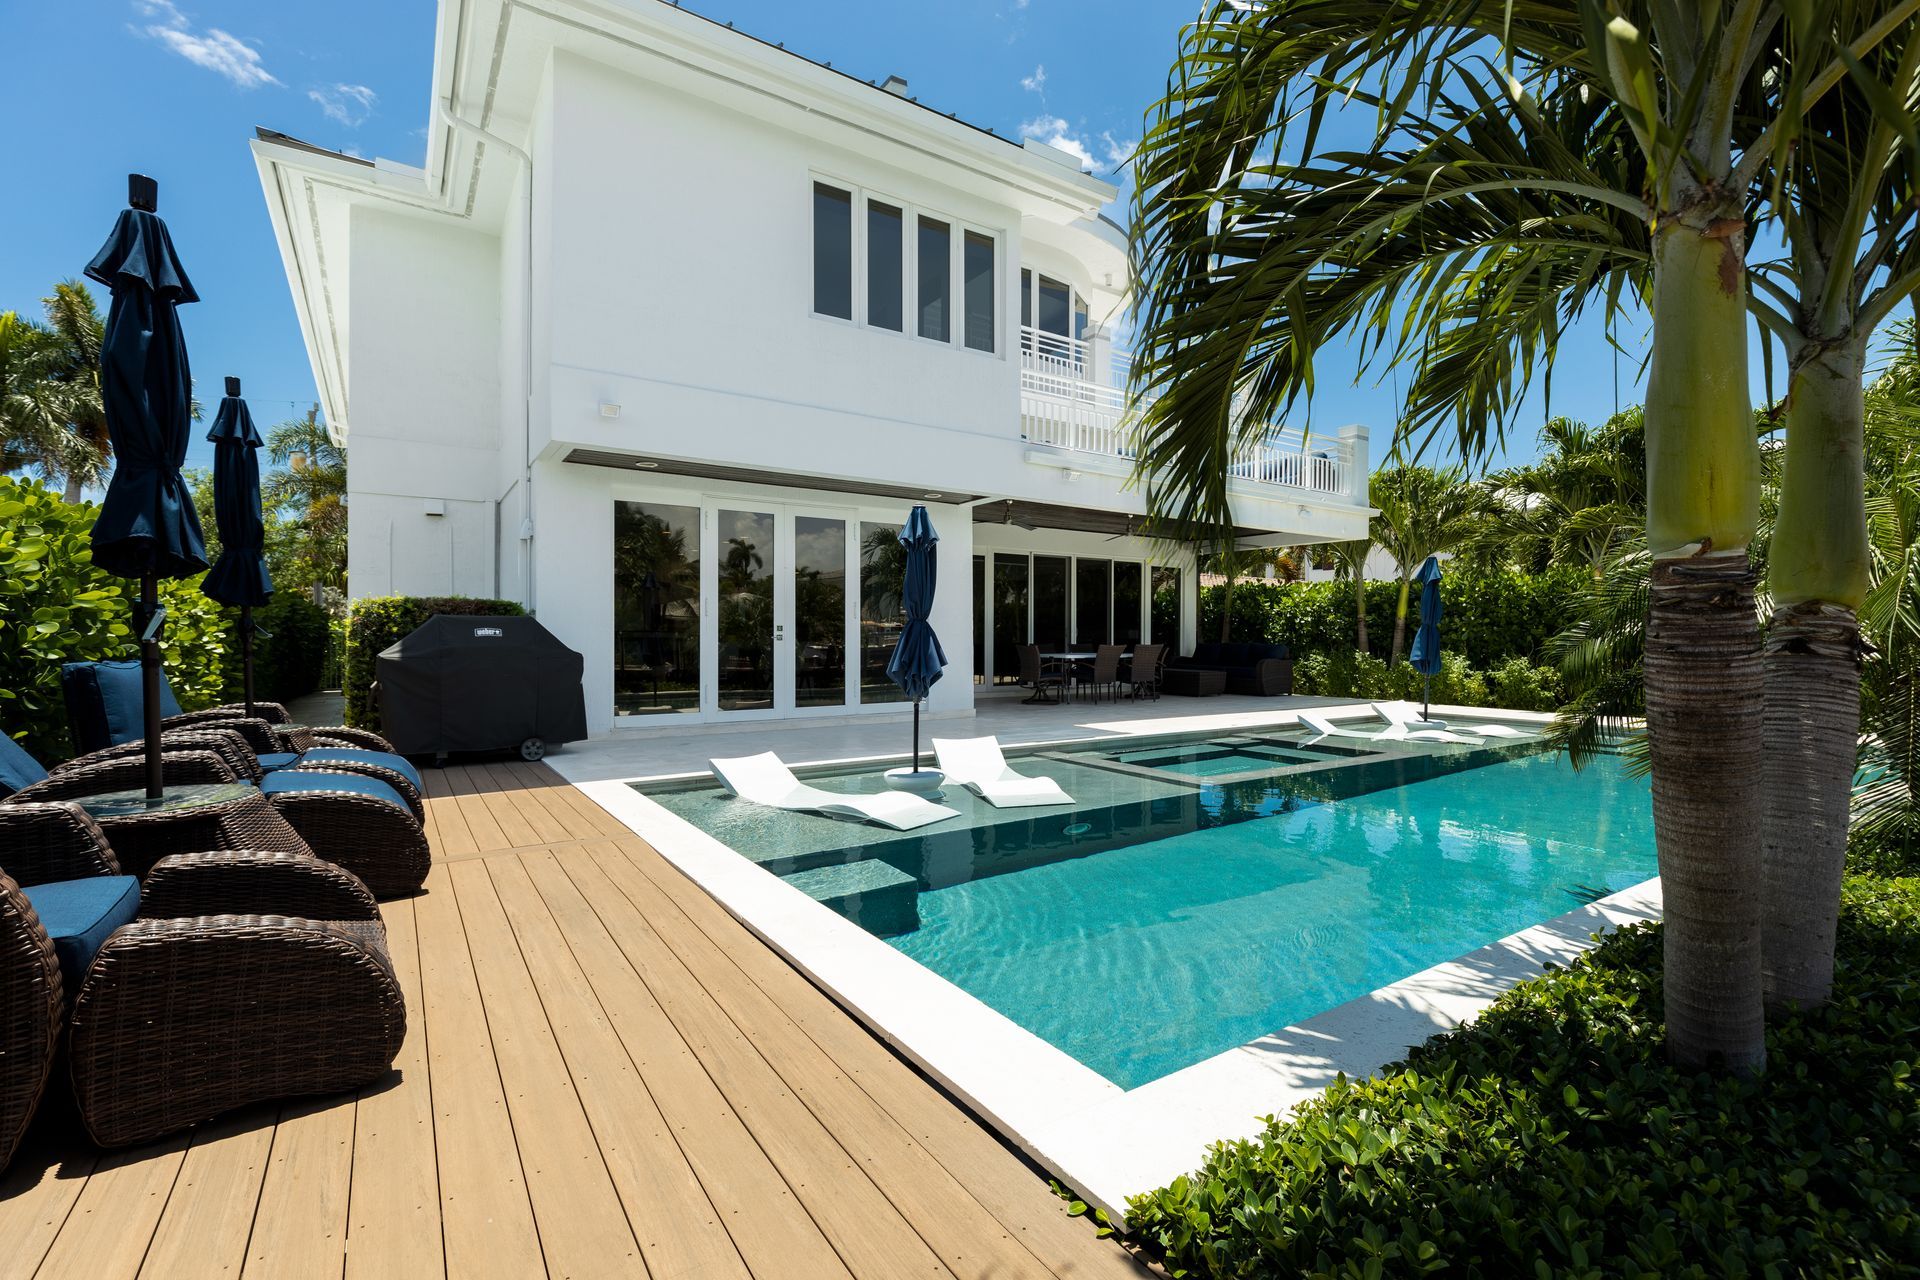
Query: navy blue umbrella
x=918 y=659
x=146 y=527
x=239 y=577
x=1425 y=656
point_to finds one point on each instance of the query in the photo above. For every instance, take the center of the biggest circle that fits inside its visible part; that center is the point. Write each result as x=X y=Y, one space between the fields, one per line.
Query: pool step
x=875 y=895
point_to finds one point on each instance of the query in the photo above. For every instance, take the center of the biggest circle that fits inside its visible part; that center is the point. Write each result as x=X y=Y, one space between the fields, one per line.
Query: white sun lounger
x=1406 y=716
x=764 y=779
x=1401 y=732
x=978 y=765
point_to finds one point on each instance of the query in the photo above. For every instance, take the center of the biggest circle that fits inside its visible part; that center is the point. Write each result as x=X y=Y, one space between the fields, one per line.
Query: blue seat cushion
x=79 y=914
x=359 y=755
x=18 y=770
x=287 y=781
x=278 y=760
x=104 y=703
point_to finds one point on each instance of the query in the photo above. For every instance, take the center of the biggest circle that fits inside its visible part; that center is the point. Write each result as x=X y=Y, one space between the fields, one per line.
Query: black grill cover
x=479 y=684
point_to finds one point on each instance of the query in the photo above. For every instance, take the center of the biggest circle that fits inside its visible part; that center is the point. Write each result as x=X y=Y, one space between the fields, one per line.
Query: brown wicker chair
x=382 y=844
x=31 y=1001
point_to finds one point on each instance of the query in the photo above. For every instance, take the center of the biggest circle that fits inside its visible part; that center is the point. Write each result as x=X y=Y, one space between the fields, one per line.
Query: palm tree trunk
x=1703 y=668
x=72 y=494
x=1360 y=610
x=1400 y=617
x=1818 y=571
x=1226 y=599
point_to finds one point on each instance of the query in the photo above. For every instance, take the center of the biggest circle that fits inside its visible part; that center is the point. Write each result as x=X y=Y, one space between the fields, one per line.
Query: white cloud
x=1099 y=152
x=348 y=104
x=212 y=48
x=1037 y=82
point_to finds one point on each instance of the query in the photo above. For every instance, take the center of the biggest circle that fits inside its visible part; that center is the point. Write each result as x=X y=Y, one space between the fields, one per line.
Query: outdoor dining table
x=1069 y=659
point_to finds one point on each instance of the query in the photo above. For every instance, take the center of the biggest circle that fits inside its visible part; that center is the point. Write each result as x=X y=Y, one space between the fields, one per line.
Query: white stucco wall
x=425 y=407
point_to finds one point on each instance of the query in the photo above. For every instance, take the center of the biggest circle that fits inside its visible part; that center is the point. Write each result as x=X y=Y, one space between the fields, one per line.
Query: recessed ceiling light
x=933 y=495
x=644 y=465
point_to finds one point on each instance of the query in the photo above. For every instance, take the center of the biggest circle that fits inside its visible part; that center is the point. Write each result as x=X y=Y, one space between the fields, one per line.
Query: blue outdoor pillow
x=360 y=755
x=17 y=768
x=104 y=703
x=79 y=914
x=301 y=780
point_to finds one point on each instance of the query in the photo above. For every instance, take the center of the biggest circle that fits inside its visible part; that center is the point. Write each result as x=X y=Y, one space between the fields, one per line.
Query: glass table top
x=181 y=799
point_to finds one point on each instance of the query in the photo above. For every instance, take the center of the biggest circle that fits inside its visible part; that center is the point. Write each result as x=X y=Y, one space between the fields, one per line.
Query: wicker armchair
x=292 y=737
x=127 y=773
x=31 y=1001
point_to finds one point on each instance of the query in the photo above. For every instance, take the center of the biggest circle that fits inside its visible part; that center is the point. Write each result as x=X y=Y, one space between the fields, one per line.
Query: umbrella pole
x=150 y=680
x=1426 y=699
x=916 y=735
x=246 y=655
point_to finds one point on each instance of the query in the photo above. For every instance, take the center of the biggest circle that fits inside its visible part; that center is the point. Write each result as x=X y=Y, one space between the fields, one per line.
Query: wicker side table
x=190 y=819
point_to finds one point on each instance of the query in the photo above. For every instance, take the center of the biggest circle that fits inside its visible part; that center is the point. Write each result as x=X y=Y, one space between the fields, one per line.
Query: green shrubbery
x=1515 y=684
x=1491 y=615
x=56 y=607
x=376 y=622
x=1552 y=1138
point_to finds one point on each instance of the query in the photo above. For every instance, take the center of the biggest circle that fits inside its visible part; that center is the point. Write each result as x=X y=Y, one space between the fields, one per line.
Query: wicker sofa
x=245 y=977
x=1265 y=670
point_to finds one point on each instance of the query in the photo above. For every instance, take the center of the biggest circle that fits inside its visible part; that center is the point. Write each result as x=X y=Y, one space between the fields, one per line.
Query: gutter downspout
x=443 y=107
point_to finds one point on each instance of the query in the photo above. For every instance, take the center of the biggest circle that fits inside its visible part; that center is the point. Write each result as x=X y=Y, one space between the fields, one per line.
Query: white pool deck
x=1104 y=1141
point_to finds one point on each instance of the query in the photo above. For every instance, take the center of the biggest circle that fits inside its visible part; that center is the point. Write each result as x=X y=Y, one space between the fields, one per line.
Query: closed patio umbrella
x=239 y=577
x=1425 y=655
x=918 y=658
x=146 y=528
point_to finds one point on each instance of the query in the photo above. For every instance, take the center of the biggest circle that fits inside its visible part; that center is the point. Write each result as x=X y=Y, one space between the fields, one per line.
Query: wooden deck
x=604 y=1075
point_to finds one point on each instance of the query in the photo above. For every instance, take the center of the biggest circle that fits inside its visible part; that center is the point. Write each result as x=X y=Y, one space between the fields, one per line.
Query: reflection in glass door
x=746 y=563
x=1009 y=616
x=1050 y=603
x=656 y=609
x=819 y=612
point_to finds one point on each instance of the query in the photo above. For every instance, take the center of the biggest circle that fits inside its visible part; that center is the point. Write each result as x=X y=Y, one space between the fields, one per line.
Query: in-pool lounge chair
x=764 y=779
x=978 y=765
x=1405 y=713
x=1400 y=732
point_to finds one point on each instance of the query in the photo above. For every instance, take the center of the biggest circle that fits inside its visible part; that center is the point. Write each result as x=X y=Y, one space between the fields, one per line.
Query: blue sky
x=174 y=88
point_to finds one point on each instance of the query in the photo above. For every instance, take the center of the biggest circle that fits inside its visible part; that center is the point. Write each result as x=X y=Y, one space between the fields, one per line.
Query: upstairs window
x=977 y=266
x=832 y=251
x=936 y=279
x=886 y=266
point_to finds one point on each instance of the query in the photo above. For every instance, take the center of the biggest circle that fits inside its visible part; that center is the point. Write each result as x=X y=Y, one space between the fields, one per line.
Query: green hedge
x=1515 y=684
x=1552 y=1138
x=376 y=622
x=57 y=607
x=1491 y=615
x=288 y=662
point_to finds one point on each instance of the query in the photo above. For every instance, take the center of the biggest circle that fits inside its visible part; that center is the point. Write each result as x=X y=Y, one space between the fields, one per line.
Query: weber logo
x=487 y=631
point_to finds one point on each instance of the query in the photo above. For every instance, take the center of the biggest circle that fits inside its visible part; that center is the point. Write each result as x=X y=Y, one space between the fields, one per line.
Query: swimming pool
x=1204 y=891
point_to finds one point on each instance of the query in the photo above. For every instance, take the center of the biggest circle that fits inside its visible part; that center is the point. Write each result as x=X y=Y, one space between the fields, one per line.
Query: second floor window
x=890 y=266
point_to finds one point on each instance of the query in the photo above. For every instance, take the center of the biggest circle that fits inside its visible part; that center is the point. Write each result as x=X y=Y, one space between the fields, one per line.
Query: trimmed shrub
x=1551 y=1137
x=56 y=606
x=1491 y=615
x=376 y=622
x=289 y=661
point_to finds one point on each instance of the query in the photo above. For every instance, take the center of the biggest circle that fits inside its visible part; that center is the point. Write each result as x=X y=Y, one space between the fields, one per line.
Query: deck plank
x=107 y=1233
x=300 y=1229
x=530 y=803
x=209 y=1216
x=867 y=1230
x=395 y=1215
x=583 y=1225
x=462 y=794
x=680 y=1234
x=767 y=1223
x=975 y=1155
x=447 y=832
x=41 y=1186
x=487 y=1219
x=968 y=1238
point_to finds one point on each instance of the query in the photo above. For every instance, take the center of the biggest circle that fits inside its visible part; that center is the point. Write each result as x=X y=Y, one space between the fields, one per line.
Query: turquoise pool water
x=1199 y=892
x=1149 y=958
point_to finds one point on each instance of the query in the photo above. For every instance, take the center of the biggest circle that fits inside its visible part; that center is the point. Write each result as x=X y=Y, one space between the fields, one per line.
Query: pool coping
x=1105 y=1142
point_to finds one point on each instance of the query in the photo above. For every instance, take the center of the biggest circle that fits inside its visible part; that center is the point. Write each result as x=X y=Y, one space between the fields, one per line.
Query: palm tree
x=1531 y=161
x=1423 y=512
x=1234 y=563
x=1580 y=503
x=1350 y=562
x=310 y=485
x=51 y=415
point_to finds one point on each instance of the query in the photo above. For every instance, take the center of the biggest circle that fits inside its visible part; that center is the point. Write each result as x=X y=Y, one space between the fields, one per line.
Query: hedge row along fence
x=57 y=606
x=1491 y=615
x=375 y=622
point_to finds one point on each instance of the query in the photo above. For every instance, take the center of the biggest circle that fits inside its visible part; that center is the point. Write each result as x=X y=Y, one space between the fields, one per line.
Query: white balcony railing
x=1073 y=396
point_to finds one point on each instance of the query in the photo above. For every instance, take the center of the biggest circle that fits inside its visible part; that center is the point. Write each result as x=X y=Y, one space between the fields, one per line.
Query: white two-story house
x=675 y=327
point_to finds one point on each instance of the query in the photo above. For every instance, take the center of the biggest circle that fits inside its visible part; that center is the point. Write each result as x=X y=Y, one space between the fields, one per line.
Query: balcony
x=1073 y=396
